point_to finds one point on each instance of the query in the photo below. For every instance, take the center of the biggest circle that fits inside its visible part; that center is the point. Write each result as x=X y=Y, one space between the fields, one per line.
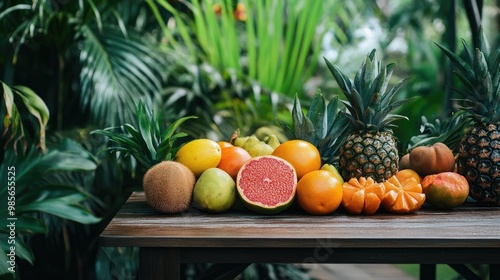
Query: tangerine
x=362 y=196
x=406 y=174
x=302 y=155
x=224 y=144
x=319 y=192
x=232 y=159
x=402 y=197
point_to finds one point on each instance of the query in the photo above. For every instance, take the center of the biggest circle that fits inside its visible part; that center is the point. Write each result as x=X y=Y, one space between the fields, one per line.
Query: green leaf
x=461 y=65
x=317 y=115
x=59 y=207
x=22 y=252
x=118 y=72
x=30 y=225
x=342 y=80
x=143 y=118
x=13 y=120
x=174 y=126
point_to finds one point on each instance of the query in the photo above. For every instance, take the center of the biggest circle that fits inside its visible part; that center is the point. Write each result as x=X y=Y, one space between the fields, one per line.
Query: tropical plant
x=325 y=126
x=33 y=198
x=370 y=148
x=149 y=143
x=39 y=198
x=479 y=74
x=95 y=48
x=223 y=101
x=448 y=131
x=21 y=101
x=275 y=43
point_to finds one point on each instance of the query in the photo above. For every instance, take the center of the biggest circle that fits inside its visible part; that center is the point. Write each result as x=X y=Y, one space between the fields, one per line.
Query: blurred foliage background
x=70 y=67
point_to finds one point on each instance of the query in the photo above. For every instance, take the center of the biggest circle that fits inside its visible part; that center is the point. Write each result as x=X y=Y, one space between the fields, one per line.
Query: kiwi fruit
x=168 y=187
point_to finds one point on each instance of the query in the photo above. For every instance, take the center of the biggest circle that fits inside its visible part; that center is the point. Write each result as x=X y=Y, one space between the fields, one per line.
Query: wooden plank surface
x=470 y=226
x=137 y=224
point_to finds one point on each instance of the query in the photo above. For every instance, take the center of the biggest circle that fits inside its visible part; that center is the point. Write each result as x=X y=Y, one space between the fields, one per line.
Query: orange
x=319 y=192
x=362 y=196
x=224 y=144
x=402 y=197
x=232 y=159
x=405 y=174
x=302 y=155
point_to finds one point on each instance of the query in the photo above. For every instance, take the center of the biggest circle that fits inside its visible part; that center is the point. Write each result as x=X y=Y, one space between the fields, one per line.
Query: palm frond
x=117 y=73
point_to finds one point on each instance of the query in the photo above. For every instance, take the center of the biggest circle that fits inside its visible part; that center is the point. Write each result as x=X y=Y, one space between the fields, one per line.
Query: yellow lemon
x=199 y=155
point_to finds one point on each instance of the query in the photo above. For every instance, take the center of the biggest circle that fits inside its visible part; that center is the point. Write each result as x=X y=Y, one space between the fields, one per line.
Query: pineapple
x=479 y=150
x=370 y=150
x=150 y=142
x=324 y=126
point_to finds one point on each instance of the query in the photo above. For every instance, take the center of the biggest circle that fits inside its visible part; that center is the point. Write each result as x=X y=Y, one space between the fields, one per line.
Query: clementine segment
x=402 y=197
x=232 y=159
x=319 y=192
x=362 y=196
x=302 y=155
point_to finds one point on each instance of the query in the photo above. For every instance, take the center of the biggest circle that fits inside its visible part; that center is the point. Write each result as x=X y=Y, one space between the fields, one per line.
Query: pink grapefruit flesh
x=267 y=184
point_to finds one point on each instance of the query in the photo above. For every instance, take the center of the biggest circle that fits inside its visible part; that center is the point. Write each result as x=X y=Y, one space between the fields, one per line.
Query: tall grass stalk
x=280 y=43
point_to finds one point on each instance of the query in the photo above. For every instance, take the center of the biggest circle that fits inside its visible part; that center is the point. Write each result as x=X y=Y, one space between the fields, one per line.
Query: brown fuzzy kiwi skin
x=168 y=187
x=432 y=160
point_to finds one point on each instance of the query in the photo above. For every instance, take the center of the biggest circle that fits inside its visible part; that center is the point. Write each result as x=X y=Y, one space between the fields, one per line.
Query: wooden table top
x=468 y=226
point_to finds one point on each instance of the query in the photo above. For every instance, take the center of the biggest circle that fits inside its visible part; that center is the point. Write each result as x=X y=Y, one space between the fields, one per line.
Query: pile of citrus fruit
x=268 y=177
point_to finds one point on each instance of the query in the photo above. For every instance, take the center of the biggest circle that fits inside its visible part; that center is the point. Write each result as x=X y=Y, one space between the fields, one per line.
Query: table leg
x=159 y=263
x=427 y=272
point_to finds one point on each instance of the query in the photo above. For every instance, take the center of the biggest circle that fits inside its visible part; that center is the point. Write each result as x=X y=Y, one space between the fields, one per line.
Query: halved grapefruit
x=267 y=184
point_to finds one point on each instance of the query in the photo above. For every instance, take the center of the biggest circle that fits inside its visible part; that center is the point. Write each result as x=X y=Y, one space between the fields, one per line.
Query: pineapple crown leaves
x=368 y=101
x=479 y=73
x=449 y=131
x=324 y=125
x=148 y=144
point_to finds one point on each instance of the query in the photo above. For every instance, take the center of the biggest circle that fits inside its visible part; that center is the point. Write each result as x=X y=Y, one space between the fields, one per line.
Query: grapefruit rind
x=266 y=170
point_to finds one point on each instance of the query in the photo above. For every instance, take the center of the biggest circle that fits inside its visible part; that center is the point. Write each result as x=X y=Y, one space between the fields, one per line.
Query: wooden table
x=467 y=235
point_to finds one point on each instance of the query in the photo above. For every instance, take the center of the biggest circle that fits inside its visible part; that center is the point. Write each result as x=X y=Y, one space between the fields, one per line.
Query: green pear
x=256 y=148
x=272 y=140
x=239 y=141
x=333 y=170
x=214 y=191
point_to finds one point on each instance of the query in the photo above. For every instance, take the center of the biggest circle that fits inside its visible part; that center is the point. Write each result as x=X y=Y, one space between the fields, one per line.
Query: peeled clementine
x=232 y=159
x=362 y=196
x=446 y=190
x=402 y=197
x=404 y=174
x=302 y=155
x=319 y=192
